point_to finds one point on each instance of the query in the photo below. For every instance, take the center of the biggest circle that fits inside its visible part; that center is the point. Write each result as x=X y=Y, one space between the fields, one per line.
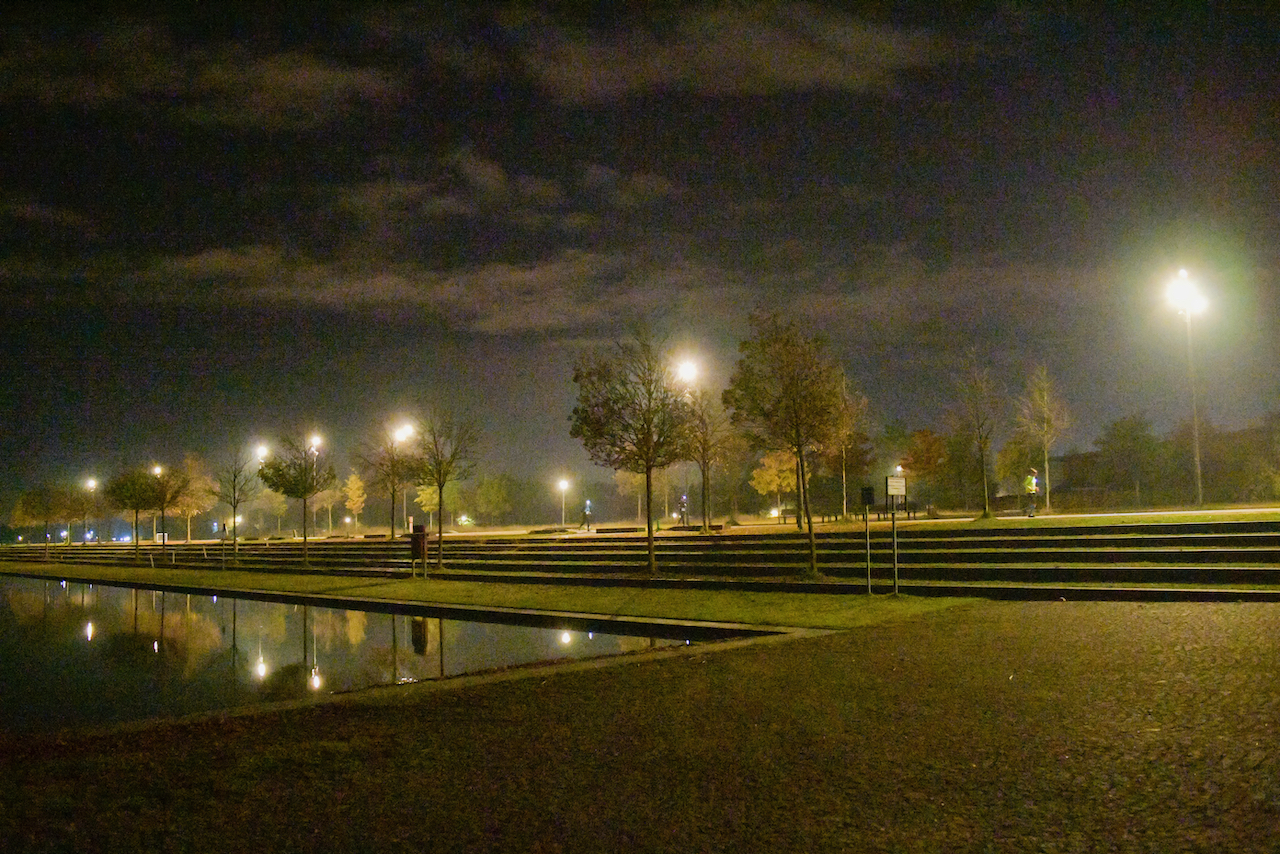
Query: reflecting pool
x=82 y=654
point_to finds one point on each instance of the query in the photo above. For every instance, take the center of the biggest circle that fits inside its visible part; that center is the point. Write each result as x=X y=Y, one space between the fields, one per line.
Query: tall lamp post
x=687 y=374
x=90 y=485
x=1184 y=296
x=402 y=434
x=564 y=487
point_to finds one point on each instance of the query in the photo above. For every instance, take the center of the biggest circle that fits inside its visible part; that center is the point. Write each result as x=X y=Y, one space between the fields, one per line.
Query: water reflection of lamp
x=261 y=668
x=88 y=631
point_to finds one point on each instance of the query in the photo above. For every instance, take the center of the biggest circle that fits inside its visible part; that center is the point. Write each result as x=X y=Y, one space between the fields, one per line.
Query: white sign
x=895 y=486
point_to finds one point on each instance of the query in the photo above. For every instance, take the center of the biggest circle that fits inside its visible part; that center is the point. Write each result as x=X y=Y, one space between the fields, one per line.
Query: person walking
x=1031 y=486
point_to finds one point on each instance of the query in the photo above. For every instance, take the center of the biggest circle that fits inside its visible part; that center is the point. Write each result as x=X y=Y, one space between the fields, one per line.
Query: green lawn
x=804 y=610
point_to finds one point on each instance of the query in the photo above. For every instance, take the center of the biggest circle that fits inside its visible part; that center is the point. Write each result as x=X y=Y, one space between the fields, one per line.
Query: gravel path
x=996 y=727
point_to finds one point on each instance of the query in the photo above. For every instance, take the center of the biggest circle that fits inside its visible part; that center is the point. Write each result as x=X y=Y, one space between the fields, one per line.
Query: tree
x=391 y=466
x=493 y=497
x=630 y=414
x=171 y=487
x=925 y=462
x=273 y=503
x=1128 y=452
x=236 y=483
x=786 y=393
x=426 y=498
x=201 y=493
x=448 y=452
x=775 y=475
x=850 y=447
x=298 y=472
x=325 y=499
x=134 y=490
x=974 y=416
x=353 y=495
x=708 y=430
x=736 y=457
x=1042 y=419
x=40 y=505
x=628 y=484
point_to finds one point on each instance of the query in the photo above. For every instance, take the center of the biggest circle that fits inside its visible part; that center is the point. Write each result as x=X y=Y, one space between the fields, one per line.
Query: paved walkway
x=1013 y=727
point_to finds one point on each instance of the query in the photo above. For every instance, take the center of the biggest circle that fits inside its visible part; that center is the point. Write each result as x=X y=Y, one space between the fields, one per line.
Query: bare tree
x=975 y=414
x=393 y=466
x=448 y=449
x=299 y=472
x=785 y=394
x=708 y=431
x=631 y=415
x=236 y=483
x=171 y=487
x=848 y=447
x=1042 y=418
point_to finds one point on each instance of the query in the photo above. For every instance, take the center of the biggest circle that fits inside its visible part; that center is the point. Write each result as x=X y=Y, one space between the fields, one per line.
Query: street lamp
x=90 y=485
x=159 y=534
x=1186 y=298
x=687 y=374
x=564 y=487
x=402 y=434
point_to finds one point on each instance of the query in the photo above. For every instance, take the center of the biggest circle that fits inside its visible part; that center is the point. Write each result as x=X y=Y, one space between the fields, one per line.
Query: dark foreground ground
x=995 y=727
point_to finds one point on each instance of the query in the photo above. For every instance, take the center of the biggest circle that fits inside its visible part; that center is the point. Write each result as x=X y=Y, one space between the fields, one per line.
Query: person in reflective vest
x=1031 y=486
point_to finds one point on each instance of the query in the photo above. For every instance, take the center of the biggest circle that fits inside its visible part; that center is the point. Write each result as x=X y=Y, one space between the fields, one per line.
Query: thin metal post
x=866 y=519
x=893 y=521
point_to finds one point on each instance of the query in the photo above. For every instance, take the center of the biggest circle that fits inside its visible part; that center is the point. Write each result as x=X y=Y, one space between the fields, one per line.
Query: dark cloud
x=328 y=211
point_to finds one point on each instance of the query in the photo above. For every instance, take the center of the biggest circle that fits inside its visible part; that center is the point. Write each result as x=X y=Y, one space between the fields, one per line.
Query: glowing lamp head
x=402 y=433
x=687 y=372
x=1184 y=296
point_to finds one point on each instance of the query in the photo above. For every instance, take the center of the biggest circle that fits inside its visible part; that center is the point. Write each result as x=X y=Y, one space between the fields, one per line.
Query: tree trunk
x=801 y=493
x=706 y=497
x=844 y=486
x=648 y=516
x=813 y=543
x=1046 y=479
x=393 y=513
x=440 y=526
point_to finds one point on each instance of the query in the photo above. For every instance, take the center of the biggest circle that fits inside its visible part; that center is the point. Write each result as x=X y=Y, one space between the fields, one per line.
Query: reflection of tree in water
x=416 y=651
x=327 y=625
x=26 y=606
x=286 y=683
x=357 y=624
x=188 y=636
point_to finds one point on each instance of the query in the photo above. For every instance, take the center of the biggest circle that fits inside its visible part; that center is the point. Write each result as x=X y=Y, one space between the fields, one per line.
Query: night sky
x=220 y=226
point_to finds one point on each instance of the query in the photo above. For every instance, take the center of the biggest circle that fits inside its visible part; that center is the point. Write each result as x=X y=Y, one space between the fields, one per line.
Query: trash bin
x=418 y=544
